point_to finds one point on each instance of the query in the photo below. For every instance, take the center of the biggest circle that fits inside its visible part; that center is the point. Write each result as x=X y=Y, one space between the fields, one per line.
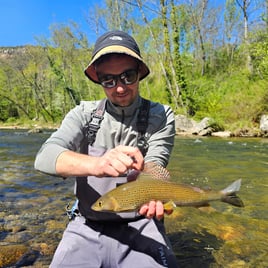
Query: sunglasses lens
x=129 y=77
x=108 y=81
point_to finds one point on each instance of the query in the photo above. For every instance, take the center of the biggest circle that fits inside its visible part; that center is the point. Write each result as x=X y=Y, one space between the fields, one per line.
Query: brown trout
x=132 y=195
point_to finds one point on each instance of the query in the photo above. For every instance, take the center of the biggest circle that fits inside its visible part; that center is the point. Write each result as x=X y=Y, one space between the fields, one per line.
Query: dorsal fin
x=156 y=171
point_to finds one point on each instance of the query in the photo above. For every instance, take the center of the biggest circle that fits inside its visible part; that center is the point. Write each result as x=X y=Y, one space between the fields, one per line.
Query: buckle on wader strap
x=72 y=212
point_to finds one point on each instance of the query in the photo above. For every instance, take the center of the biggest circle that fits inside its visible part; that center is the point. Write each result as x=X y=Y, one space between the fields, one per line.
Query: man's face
x=119 y=75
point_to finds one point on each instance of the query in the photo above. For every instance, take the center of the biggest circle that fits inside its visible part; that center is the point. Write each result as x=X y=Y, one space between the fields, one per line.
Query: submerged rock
x=11 y=254
x=28 y=258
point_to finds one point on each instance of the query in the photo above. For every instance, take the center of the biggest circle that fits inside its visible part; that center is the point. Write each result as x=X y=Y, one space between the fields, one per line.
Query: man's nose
x=120 y=87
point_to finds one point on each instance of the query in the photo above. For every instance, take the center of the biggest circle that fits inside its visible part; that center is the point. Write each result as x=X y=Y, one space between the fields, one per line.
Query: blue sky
x=23 y=20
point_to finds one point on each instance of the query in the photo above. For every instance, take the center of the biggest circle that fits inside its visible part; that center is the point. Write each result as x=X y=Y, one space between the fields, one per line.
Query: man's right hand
x=113 y=163
x=118 y=161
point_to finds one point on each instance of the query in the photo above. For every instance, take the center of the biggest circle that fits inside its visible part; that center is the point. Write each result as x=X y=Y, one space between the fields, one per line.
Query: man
x=97 y=143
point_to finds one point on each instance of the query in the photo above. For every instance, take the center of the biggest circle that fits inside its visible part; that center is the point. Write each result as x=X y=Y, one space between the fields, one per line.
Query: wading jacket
x=118 y=127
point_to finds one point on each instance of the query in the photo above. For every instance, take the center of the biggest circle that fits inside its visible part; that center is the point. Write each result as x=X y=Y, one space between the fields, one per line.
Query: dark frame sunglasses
x=128 y=77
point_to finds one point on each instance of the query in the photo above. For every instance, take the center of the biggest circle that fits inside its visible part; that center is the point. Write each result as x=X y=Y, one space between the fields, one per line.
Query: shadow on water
x=194 y=250
x=32 y=205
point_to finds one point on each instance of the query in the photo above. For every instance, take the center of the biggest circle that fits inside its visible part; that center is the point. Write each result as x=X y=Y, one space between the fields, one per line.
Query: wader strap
x=142 y=123
x=95 y=121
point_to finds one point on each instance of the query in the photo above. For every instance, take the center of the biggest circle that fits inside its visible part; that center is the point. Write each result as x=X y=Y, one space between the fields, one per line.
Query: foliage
x=259 y=52
x=198 y=63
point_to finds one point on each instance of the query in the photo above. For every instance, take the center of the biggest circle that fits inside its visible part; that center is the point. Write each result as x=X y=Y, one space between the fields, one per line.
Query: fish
x=132 y=195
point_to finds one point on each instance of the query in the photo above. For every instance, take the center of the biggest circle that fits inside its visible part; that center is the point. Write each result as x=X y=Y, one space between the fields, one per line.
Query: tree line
x=205 y=60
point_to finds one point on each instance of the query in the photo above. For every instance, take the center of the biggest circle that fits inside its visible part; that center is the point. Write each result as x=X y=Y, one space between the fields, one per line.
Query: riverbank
x=243 y=132
x=184 y=125
x=38 y=127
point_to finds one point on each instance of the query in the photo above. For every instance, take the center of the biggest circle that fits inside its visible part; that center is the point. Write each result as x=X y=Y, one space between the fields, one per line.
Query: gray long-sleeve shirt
x=117 y=128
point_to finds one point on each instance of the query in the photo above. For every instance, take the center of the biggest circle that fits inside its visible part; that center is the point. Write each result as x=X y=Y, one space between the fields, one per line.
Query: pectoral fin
x=207 y=209
x=169 y=206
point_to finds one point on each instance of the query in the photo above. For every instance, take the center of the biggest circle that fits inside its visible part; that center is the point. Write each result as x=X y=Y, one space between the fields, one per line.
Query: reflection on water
x=32 y=204
x=218 y=162
x=241 y=234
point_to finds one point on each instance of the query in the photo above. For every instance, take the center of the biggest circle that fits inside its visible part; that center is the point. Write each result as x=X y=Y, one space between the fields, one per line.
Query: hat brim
x=90 y=71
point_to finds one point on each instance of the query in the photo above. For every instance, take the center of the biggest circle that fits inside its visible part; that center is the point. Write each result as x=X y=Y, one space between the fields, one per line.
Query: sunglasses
x=128 y=77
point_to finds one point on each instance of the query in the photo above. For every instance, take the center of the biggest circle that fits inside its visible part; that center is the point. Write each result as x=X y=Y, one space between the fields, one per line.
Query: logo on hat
x=116 y=37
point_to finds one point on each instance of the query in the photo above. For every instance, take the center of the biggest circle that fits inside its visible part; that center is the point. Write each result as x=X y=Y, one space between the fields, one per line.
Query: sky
x=21 y=21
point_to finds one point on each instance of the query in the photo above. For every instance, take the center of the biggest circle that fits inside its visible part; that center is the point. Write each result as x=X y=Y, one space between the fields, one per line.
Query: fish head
x=106 y=203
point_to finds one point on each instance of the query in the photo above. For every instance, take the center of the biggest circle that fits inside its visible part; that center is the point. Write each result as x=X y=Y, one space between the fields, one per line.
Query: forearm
x=70 y=163
x=69 y=137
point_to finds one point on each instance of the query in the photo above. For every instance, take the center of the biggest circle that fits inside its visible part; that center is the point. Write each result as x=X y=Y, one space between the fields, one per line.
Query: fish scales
x=140 y=192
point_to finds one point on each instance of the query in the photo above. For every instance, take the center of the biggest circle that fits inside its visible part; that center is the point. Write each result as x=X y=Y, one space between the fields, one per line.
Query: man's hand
x=118 y=160
x=113 y=163
x=154 y=209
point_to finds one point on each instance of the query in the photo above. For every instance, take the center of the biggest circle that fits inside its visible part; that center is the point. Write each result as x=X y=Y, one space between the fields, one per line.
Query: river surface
x=32 y=205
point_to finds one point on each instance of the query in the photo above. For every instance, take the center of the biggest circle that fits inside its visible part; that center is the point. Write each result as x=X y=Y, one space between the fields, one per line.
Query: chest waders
x=92 y=128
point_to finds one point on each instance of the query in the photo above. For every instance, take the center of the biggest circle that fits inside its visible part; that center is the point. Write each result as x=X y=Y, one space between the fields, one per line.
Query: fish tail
x=233 y=199
x=229 y=194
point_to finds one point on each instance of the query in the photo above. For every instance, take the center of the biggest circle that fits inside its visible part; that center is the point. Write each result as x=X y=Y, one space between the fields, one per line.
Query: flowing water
x=32 y=205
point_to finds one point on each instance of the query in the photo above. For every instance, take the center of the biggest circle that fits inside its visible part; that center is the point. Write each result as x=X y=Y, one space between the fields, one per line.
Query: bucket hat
x=115 y=42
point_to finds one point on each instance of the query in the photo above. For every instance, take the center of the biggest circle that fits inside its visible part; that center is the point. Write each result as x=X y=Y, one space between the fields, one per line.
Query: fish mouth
x=96 y=208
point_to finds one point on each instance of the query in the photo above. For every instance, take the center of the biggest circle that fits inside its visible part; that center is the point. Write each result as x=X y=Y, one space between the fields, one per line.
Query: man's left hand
x=153 y=209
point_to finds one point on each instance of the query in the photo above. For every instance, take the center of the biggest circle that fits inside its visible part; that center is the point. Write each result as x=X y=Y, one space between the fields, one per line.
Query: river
x=32 y=205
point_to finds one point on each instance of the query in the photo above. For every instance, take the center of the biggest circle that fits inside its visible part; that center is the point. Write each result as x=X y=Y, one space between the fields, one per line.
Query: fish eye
x=100 y=203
